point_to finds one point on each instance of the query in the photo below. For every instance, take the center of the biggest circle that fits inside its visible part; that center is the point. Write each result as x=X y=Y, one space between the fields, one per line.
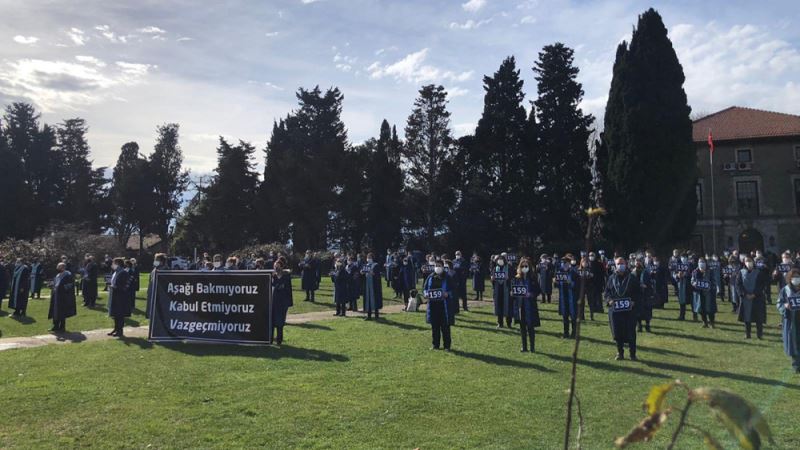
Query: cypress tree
x=384 y=190
x=652 y=162
x=14 y=194
x=169 y=179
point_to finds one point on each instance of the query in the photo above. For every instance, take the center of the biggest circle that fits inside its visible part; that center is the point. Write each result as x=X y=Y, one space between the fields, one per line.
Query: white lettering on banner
x=224 y=289
x=184 y=289
x=227 y=308
x=209 y=327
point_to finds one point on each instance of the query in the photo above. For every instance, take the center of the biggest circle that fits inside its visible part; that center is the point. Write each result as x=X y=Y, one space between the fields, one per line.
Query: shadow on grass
x=693 y=337
x=498 y=361
x=310 y=326
x=25 y=320
x=70 y=336
x=270 y=352
x=403 y=326
x=626 y=366
x=719 y=374
x=490 y=328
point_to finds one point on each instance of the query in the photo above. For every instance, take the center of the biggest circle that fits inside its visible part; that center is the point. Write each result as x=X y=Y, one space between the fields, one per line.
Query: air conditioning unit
x=742 y=166
x=729 y=167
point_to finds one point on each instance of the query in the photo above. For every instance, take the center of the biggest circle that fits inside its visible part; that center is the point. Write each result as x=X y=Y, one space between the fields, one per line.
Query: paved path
x=99 y=335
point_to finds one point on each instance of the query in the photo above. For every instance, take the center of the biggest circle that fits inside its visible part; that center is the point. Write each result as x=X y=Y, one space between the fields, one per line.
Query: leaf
x=711 y=443
x=742 y=419
x=644 y=431
x=655 y=400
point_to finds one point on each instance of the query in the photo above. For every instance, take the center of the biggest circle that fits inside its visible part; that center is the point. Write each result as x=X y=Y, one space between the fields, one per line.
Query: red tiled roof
x=745 y=123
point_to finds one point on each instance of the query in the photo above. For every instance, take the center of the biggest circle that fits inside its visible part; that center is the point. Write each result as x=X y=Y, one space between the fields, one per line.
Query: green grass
x=348 y=383
x=36 y=322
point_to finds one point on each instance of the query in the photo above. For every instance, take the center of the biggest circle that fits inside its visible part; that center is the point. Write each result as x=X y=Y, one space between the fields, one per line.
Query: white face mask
x=592 y=258
x=787 y=261
x=501 y=263
x=525 y=269
x=217 y=264
x=115 y=266
x=369 y=260
x=702 y=266
x=156 y=263
x=795 y=281
x=621 y=267
x=438 y=270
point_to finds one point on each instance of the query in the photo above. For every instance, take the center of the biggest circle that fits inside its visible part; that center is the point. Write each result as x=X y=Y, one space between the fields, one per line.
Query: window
x=698 y=191
x=797 y=152
x=747 y=198
x=744 y=155
x=797 y=194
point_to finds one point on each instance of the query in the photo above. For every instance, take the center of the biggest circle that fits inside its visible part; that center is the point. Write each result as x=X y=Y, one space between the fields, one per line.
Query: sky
x=230 y=68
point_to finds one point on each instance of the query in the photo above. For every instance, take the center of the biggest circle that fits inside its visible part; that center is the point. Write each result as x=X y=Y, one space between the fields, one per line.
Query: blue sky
x=230 y=68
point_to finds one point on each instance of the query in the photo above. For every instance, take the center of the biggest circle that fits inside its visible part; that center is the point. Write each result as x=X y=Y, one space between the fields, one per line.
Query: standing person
x=4 y=280
x=704 y=300
x=131 y=293
x=682 y=276
x=37 y=278
x=440 y=314
x=133 y=268
x=387 y=267
x=405 y=280
x=763 y=264
x=659 y=277
x=478 y=280
x=309 y=270
x=789 y=309
x=673 y=269
x=545 y=272
x=731 y=276
x=355 y=283
x=594 y=289
x=644 y=308
x=20 y=285
x=585 y=279
x=62 y=298
x=503 y=302
x=753 y=308
x=525 y=289
x=159 y=263
x=566 y=281
x=281 y=299
x=89 y=281
x=373 y=290
x=621 y=294
x=341 y=286
x=119 y=303
x=715 y=269
x=461 y=274
x=779 y=275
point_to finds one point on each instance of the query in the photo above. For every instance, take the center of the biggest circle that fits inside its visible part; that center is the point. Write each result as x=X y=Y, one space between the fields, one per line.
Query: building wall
x=774 y=168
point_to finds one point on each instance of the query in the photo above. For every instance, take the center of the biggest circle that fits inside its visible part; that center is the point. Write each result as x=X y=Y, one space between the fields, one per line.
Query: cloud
x=151 y=30
x=105 y=30
x=473 y=5
x=90 y=60
x=26 y=40
x=527 y=20
x=77 y=36
x=184 y=39
x=469 y=24
x=456 y=91
x=271 y=34
x=412 y=68
x=463 y=129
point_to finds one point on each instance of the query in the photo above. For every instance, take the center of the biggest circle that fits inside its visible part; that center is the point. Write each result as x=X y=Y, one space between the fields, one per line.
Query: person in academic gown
x=373 y=289
x=525 y=289
x=460 y=270
x=789 y=309
x=731 y=277
x=478 y=280
x=281 y=299
x=621 y=294
x=660 y=279
x=135 y=281
x=89 y=281
x=503 y=302
x=594 y=291
x=544 y=270
x=781 y=269
x=405 y=279
x=62 y=298
x=644 y=308
x=129 y=290
x=674 y=260
x=441 y=312
x=159 y=263
x=309 y=269
x=119 y=300
x=37 y=278
x=354 y=289
x=753 y=308
x=715 y=269
x=585 y=279
x=682 y=276
x=566 y=280
x=764 y=265
x=341 y=287
x=20 y=285
x=704 y=298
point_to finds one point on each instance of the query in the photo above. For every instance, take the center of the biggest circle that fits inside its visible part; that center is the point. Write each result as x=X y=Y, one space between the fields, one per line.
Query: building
x=756 y=181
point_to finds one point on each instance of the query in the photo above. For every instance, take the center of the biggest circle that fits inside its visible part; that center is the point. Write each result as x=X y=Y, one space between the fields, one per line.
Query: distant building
x=756 y=180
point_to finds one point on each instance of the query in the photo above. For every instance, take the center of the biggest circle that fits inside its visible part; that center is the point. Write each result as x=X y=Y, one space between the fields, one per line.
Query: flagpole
x=713 y=201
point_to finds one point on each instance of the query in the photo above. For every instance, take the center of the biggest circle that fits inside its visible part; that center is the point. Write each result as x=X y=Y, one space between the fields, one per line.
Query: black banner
x=217 y=306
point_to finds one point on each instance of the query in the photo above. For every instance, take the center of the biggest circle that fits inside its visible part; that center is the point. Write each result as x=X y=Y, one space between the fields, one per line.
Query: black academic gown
x=281 y=299
x=20 y=287
x=62 y=298
x=622 y=320
x=89 y=282
x=119 y=301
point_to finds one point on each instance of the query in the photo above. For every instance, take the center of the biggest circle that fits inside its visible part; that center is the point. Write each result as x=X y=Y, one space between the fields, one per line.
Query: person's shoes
x=705 y=325
x=647 y=328
x=712 y=325
x=447 y=350
x=633 y=358
x=619 y=357
x=120 y=335
x=53 y=329
x=523 y=350
x=434 y=348
x=640 y=329
x=113 y=333
x=565 y=336
x=498 y=327
x=572 y=335
x=760 y=337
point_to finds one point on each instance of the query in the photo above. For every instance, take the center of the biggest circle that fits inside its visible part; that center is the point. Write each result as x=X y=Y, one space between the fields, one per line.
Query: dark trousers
x=479 y=295
x=340 y=309
x=500 y=321
x=707 y=318
x=631 y=347
x=796 y=363
x=279 y=338
x=309 y=295
x=748 y=326
x=567 y=320
x=354 y=304
x=464 y=303
x=526 y=333
x=406 y=294
x=58 y=325
x=377 y=314
x=547 y=297
x=440 y=330
x=119 y=324
x=682 y=315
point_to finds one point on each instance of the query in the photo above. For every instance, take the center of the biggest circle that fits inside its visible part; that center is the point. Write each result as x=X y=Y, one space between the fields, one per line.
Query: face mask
x=156 y=263
x=702 y=266
x=787 y=260
x=369 y=260
x=525 y=269
x=795 y=281
x=405 y=263
x=438 y=270
x=338 y=265
x=114 y=266
x=592 y=258
x=501 y=263
x=573 y=262
x=684 y=259
x=447 y=269
x=621 y=267
x=217 y=264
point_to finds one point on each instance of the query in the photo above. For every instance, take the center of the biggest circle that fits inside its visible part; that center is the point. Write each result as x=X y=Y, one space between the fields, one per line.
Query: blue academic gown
x=478 y=280
x=545 y=272
x=281 y=299
x=341 y=286
x=503 y=303
x=622 y=323
x=441 y=311
x=790 y=321
x=752 y=282
x=528 y=306
x=567 y=283
x=20 y=287
x=309 y=279
x=373 y=289
x=704 y=292
x=644 y=308
x=684 y=280
x=37 y=278
x=659 y=277
x=4 y=276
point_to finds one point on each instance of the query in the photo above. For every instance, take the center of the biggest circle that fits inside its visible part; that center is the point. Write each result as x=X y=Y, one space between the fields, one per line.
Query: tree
x=15 y=196
x=132 y=195
x=652 y=166
x=428 y=157
x=563 y=132
x=169 y=180
x=384 y=190
x=82 y=189
x=494 y=167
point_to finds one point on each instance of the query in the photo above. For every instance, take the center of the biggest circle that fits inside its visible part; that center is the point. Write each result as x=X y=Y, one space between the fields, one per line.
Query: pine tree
x=429 y=158
x=14 y=194
x=81 y=198
x=131 y=195
x=563 y=132
x=169 y=179
x=652 y=166
x=384 y=191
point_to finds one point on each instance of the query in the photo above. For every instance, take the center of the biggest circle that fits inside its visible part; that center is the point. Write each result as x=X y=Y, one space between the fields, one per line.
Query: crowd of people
x=628 y=288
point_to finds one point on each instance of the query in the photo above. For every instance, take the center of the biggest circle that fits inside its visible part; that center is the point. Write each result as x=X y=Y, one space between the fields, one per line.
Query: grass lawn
x=348 y=383
x=36 y=322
